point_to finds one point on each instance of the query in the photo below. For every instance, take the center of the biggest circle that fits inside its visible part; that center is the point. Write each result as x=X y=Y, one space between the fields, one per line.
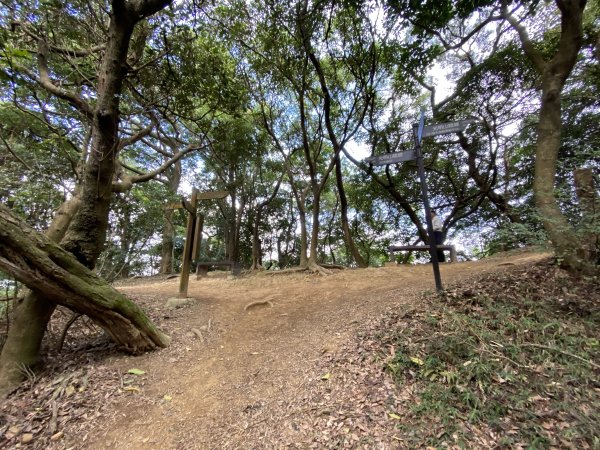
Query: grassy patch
x=511 y=360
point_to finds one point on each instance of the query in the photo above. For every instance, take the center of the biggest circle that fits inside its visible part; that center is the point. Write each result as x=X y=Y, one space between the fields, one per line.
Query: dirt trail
x=251 y=358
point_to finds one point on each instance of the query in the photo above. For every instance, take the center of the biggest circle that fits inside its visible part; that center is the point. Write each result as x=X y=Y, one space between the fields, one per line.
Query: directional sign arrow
x=212 y=195
x=446 y=128
x=391 y=158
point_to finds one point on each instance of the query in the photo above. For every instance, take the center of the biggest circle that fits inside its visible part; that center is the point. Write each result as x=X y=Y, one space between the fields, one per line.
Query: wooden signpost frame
x=193 y=233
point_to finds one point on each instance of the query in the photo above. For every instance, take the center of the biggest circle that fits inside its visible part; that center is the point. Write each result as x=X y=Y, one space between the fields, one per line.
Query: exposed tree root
x=321 y=269
x=333 y=266
x=63 y=335
x=286 y=271
x=47 y=268
x=264 y=302
x=316 y=268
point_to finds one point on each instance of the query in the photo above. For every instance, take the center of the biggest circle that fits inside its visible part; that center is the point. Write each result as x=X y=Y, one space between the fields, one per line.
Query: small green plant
x=516 y=357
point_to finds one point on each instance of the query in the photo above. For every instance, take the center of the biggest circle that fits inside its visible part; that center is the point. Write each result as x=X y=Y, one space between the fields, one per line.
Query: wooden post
x=187 y=248
x=198 y=242
x=197 y=236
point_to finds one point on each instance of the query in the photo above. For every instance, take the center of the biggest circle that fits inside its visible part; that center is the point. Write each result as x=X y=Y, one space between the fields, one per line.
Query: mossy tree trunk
x=53 y=274
x=31 y=316
x=57 y=277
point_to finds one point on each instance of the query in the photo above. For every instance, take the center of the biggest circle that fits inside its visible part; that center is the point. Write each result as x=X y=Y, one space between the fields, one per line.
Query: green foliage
x=137 y=219
x=510 y=236
x=209 y=79
x=35 y=165
x=435 y=14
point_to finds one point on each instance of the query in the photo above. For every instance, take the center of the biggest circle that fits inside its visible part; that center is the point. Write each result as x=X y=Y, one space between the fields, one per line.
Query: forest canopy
x=112 y=110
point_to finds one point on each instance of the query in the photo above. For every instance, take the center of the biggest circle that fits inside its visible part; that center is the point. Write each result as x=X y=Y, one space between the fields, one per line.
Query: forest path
x=208 y=392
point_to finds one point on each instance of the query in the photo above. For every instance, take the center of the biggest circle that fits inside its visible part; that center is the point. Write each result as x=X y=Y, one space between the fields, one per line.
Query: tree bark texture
x=314 y=235
x=53 y=274
x=166 y=256
x=168 y=232
x=554 y=74
x=87 y=232
x=21 y=351
x=46 y=268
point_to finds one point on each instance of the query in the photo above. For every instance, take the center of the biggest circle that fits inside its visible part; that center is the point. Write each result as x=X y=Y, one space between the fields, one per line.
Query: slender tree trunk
x=303 y=238
x=314 y=235
x=498 y=200
x=237 y=227
x=300 y=202
x=166 y=252
x=256 y=247
x=344 y=215
x=589 y=205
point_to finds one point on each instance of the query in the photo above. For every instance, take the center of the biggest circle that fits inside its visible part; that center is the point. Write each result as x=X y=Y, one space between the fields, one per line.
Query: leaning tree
x=90 y=73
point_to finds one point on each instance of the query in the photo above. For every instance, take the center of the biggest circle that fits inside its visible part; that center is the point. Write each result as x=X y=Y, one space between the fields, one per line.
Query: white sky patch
x=358 y=151
x=443 y=86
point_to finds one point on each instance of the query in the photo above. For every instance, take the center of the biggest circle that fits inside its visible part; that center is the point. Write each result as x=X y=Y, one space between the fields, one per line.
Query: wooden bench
x=202 y=267
x=422 y=248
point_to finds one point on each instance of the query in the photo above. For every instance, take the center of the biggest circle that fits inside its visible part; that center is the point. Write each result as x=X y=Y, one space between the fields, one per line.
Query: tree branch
x=47 y=83
x=532 y=53
x=129 y=181
x=140 y=134
x=10 y=150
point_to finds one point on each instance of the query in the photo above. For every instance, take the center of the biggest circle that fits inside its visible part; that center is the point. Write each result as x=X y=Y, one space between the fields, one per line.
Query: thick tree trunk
x=46 y=268
x=168 y=232
x=549 y=131
x=50 y=271
x=344 y=216
x=554 y=73
x=21 y=351
x=87 y=232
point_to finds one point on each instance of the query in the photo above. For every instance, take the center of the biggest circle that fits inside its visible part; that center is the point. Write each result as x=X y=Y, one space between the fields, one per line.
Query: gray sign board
x=392 y=158
x=446 y=128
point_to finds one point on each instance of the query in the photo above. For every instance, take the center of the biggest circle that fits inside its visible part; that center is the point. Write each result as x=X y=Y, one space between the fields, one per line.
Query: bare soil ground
x=247 y=367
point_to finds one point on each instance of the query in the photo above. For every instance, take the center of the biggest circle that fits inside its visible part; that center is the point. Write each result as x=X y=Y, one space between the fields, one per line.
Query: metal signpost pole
x=420 y=131
x=417 y=132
